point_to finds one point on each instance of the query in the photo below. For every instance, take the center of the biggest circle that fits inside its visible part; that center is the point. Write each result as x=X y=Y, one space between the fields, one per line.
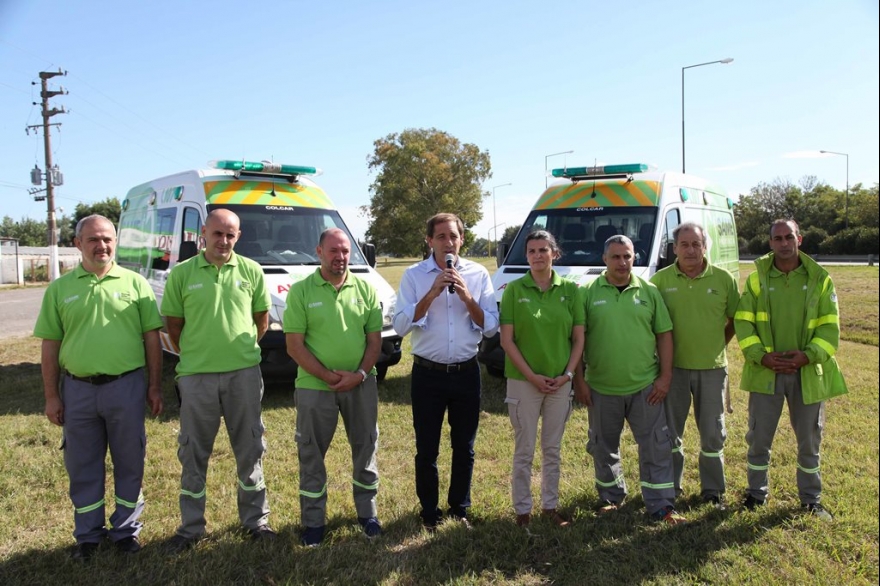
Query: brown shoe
x=523 y=520
x=554 y=516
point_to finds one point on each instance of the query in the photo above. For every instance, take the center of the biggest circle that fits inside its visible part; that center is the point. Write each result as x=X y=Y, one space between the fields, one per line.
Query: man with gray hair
x=701 y=299
x=628 y=356
x=100 y=327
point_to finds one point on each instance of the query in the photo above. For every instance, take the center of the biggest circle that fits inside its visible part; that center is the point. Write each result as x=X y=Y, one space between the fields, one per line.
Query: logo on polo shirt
x=600 y=302
x=314 y=304
x=124 y=295
x=670 y=290
x=243 y=285
x=523 y=300
x=71 y=299
x=195 y=286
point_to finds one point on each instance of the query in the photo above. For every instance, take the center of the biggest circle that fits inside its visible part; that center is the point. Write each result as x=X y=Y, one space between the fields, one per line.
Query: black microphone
x=449 y=259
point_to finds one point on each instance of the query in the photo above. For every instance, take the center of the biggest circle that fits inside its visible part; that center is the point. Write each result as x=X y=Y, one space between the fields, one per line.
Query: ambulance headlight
x=275 y=314
x=388 y=311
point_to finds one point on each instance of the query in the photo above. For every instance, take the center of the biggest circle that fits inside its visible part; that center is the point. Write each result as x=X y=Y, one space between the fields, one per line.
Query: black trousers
x=433 y=394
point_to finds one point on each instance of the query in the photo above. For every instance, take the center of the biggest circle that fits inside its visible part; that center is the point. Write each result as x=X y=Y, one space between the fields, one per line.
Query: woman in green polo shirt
x=542 y=333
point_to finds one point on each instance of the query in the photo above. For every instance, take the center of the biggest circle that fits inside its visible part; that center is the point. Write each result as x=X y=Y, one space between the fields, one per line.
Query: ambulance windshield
x=581 y=233
x=287 y=235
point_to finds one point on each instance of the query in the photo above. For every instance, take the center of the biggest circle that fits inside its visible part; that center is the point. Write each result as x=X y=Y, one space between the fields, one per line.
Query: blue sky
x=163 y=86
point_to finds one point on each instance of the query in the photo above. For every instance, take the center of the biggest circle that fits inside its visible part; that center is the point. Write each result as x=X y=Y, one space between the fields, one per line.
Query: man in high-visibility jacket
x=788 y=329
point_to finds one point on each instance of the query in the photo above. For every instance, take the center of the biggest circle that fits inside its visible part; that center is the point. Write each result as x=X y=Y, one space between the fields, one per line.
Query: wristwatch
x=570 y=375
x=361 y=372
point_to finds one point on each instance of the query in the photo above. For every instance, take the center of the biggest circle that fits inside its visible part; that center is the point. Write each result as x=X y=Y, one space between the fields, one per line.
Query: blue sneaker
x=371 y=526
x=313 y=536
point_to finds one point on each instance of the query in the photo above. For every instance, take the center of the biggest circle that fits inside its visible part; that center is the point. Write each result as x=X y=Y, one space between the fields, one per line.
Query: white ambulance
x=588 y=205
x=282 y=212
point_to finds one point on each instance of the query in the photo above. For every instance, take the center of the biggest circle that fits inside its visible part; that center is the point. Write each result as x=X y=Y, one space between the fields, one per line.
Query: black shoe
x=371 y=526
x=84 y=551
x=818 y=511
x=716 y=501
x=430 y=521
x=313 y=536
x=262 y=533
x=751 y=503
x=128 y=545
x=179 y=544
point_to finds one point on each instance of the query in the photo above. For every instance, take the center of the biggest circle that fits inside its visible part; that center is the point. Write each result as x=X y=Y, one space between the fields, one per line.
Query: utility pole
x=53 y=175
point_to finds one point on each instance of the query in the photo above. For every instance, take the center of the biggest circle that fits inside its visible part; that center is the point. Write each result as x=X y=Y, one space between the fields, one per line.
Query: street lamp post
x=846 y=197
x=725 y=62
x=545 y=163
x=494 y=218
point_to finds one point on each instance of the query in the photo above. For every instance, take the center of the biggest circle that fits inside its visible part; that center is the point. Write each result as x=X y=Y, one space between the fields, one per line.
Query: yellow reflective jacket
x=821 y=379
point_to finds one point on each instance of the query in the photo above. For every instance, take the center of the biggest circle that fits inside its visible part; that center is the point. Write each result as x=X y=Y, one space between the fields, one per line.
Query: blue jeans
x=433 y=393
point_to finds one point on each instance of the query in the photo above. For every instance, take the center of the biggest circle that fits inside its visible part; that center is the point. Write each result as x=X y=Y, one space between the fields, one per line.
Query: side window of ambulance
x=163 y=235
x=670 y=223
x=191 y=241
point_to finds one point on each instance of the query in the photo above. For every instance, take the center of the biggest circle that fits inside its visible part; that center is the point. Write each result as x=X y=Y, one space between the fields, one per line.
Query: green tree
x=864 y=208
x=110 y=208
x=28 y=232
x=509 y=234
x=778 y=199
x=422 y=172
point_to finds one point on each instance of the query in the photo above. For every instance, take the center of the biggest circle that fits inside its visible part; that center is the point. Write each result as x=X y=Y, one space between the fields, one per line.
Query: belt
x=456 y=367
x=100 y=379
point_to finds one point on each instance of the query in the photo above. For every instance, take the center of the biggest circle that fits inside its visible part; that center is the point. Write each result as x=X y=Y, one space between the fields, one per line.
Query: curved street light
x=723 y=61
x=846 y=197
x=545 y=163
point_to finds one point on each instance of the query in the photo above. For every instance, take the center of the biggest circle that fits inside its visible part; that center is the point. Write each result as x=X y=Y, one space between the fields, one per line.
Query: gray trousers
x=525 y=405
x=707 y=389
x=808 y=421
x=317 y=414
x=204 y=399
x=648 y=425
x=96 y=417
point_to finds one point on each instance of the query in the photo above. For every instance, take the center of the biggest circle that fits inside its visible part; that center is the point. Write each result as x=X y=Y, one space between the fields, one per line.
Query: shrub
x=813 y=238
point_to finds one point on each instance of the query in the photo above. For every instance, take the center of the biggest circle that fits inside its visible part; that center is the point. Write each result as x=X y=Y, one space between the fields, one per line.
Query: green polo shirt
x=218 y=307
x=100 y=322
x=621 y=329
x=335 y=323
x=788 y=298
x=542 y=323
x=699 y=309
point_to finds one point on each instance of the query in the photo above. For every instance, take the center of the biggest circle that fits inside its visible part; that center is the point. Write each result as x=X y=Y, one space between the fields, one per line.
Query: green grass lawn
x=775 y=545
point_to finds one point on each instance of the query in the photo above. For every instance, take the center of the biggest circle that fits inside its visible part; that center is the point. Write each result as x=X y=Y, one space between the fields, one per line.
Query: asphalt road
x=18 y=310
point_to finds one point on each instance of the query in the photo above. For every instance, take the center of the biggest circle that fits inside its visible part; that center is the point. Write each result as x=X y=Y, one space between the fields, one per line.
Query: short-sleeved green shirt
x=788 y=300
x=699 y=309
x=218 y=307
x=335 y=323
x=100 y=322
x=542 y=323
x=621 y=343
